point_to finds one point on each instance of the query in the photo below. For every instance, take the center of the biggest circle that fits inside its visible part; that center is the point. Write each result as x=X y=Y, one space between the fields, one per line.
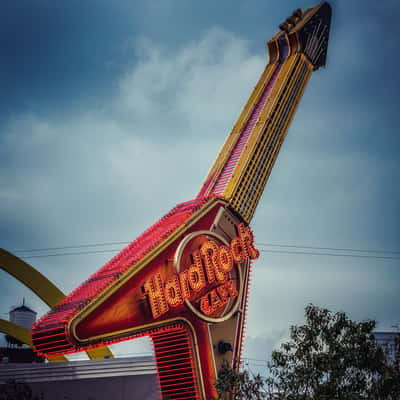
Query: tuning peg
x=284 y=27
x=298 y=13
x=292 y=20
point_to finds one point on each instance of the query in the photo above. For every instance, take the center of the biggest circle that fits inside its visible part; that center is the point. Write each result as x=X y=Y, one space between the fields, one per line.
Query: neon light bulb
x=154 y=289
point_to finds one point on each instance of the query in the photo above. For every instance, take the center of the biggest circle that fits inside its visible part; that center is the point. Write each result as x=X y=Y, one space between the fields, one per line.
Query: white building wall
x=387 y=340
x=132 y=378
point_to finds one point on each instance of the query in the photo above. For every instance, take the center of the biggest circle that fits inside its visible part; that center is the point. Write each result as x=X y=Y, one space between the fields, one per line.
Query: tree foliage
x=329 y=357
x=235 y=385
x=13 y=390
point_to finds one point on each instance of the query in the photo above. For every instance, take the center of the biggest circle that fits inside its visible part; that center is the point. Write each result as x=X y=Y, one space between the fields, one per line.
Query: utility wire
x=70 y=247
x=254 y=359
x=329 y=248
x=258 y=244
x=78 y=253
x=330 y=254
x=262 y=250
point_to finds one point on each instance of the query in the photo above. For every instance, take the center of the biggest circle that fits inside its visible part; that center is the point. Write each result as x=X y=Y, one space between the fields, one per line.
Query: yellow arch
x=23 y=335
x=31 y=278
x=43 y=288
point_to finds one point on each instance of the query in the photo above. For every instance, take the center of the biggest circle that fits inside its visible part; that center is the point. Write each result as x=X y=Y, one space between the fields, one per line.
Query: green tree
x=13 y=390
x=331 y=357
x=391 y=376
x=235 y=385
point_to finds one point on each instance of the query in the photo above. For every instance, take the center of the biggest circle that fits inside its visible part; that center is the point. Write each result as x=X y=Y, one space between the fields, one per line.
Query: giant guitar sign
x=184 y=282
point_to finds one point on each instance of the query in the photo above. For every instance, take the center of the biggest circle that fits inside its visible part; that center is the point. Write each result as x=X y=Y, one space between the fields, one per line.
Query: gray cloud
x=107 y=172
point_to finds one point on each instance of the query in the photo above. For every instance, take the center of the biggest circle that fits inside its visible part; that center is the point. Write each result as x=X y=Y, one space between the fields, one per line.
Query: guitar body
x=187 y=291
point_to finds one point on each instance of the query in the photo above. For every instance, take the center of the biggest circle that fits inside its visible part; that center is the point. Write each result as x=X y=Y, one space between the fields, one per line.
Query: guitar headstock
x=306 y=31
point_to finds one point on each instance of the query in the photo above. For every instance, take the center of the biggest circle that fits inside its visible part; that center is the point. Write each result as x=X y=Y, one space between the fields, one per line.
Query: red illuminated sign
x=185 y=280
x=207 y=278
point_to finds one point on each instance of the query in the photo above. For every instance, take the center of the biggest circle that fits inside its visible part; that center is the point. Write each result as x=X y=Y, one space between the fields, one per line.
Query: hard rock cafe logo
x=208 y=277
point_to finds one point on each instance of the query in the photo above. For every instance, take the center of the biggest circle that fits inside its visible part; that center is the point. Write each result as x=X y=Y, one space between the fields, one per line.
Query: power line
x=255 y=359
x=330 y=254
x=329 y=248
x=258 y=244
x=70 y=247
x=262 y=250
x=78 y=253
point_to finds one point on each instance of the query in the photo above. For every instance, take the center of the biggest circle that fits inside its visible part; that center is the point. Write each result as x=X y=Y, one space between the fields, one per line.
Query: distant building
x=17 y=352
x=23 y=316
x=118 y=378
x=389 y=341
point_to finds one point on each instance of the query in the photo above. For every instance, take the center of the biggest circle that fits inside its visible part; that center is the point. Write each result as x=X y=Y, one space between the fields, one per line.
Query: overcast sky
x=113 y=112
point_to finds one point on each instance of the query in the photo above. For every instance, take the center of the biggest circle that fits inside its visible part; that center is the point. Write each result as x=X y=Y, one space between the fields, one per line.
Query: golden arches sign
x=44 y=289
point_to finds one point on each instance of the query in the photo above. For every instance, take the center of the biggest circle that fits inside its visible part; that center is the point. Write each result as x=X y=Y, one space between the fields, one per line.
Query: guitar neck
x=245 y=162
